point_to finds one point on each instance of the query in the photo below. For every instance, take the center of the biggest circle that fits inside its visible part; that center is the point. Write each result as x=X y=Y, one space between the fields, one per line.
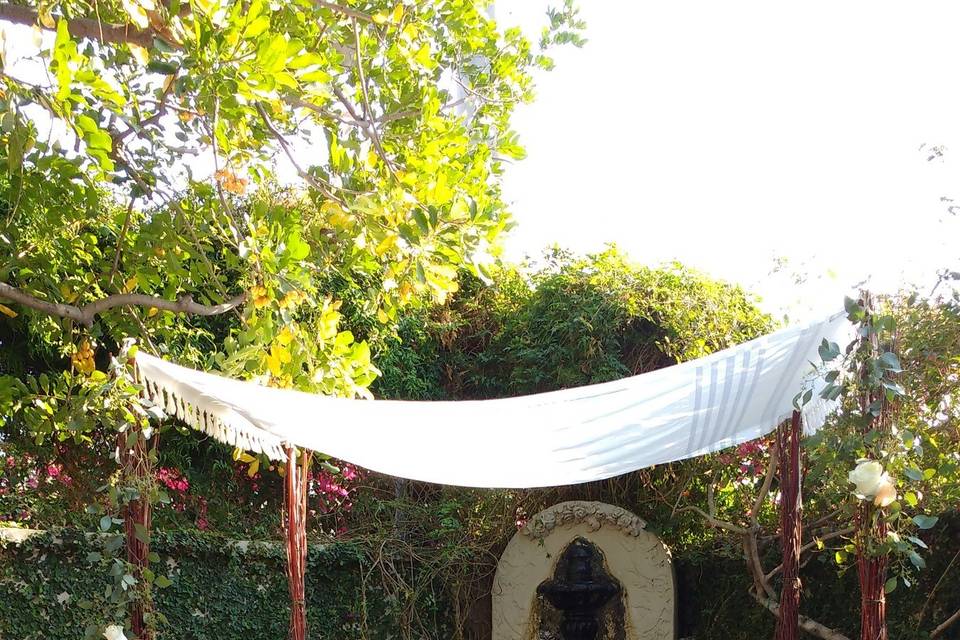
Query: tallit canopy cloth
x=557 y=438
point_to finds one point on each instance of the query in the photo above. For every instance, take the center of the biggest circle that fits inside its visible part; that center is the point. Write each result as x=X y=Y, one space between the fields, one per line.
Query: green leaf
x=105 y=523
x=421 y=220
x=257 y=27
x=99 y=140
x=917 y=541
x=890 y=362
x=296 y=247
x=894 y=388
x=162 y=582
x=890 y=585
x=161 y=67
x=855 y=313
x=828 y=350
x=925 y=522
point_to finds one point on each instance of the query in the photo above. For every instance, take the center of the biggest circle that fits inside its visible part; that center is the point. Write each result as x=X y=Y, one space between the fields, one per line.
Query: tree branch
x=933 y=591
x=127 y=34
x=83 y=27
x=765 y=487
x=86 y=314
x=936 y=633
x=810 y=545
x=367 y=111
x=714 y=522
x=285 y=146
x=347 y=11
x=812 y=627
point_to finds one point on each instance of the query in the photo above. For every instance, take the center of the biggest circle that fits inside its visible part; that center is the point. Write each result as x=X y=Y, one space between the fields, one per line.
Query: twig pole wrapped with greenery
x=137 y=467
x=870 y=518
x=788 y=443
x=295 y=502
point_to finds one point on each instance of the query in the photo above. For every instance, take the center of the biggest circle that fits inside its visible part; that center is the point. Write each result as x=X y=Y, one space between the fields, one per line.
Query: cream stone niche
x=633 y=556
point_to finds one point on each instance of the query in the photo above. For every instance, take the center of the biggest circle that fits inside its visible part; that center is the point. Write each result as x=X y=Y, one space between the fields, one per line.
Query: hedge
x=228 y=590
x=222 y=589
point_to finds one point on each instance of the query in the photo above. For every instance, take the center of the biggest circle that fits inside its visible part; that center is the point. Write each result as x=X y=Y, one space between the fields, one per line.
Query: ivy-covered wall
x=225 y=590
x=221 y=590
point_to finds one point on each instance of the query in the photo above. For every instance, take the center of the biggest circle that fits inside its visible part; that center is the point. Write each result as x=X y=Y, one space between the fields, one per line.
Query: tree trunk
x=788 y=442
x=295 y=502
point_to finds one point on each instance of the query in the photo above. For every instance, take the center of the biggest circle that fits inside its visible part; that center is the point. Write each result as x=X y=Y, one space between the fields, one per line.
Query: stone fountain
x=579 y=590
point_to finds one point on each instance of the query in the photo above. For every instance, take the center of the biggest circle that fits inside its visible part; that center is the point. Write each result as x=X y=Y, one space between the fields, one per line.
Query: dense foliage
x=46 y=581
x=576 y=320
x=144 y=145
x=42 y=580
x=571 y=321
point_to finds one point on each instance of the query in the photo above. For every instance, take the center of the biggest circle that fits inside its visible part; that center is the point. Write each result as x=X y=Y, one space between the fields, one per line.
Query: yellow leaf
x=253 y=468
x=139 y=53
x=273 y=364
x=340 y=220
x=136 y=13
x=152 y=312
x=382 y=316
x=7 y=311
x=169 y=81
x=386 y=244
x=380 y=18
x=46 y=19
x=245 y=457
x=329 y=207
x=130 y=284
x=397 y=13
x=68 y=294
x=285 y=337
x=406 y=290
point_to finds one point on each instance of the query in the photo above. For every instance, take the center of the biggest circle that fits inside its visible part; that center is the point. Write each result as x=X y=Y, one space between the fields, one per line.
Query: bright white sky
x=728 y=134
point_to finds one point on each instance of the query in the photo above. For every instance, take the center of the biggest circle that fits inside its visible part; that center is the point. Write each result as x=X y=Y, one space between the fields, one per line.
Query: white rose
x=867 y=476
x=886 y=492
x=114 y=632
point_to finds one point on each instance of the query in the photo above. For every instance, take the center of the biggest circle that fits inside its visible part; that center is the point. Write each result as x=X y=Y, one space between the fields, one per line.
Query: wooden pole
x=136 y=462
x=295 y=502
x=872 y=572
x=788 y=443
x=871 y=526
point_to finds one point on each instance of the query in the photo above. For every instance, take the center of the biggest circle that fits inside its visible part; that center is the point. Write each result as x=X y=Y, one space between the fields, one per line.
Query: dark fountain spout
x=579 y=593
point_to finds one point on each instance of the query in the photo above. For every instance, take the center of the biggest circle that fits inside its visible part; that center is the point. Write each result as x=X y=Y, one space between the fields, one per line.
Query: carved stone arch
x=634 y=556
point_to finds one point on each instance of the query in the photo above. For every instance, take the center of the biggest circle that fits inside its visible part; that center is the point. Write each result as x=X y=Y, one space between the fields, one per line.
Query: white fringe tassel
x=224 y=426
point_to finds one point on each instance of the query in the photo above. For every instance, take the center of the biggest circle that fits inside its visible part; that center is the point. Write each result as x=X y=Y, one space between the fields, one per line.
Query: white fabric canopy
x=563 y=437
